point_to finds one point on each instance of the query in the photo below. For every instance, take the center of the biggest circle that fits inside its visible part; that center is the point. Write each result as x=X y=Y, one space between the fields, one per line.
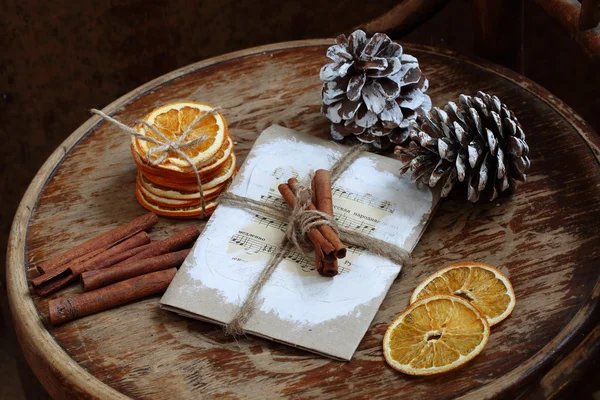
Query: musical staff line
x=342 y=219
x=354 y=224
x=270 y=222
x=274 y=200
x=282 y=174
x=256 y=246
x=366 y=199
x=252 y=245
x=355 y=250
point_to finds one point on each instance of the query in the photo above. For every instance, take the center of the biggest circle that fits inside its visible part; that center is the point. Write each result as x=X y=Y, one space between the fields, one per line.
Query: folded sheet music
x=297 y=306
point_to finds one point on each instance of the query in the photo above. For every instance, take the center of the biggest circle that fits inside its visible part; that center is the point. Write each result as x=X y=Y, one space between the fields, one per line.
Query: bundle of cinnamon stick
x=327 y=245
x=117 y=267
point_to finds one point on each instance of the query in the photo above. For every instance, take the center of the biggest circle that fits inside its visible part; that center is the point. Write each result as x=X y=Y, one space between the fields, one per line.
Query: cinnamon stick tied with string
x=323 y=200
x=92 y=280
x=326 y=230
x=68 y=308
x=314 y=235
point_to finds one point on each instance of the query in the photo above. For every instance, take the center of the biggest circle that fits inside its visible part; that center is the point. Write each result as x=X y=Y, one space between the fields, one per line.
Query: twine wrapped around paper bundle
x=300 y=221
x=165 y=145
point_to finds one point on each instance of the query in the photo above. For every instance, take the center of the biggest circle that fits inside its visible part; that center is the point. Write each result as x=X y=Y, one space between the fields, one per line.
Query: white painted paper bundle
x=297 y=306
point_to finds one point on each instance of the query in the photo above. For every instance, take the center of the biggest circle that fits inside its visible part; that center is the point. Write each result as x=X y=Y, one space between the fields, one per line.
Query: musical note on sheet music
x=283 y=174
x=270 y=222
x=254 y=245
x=342 y=219
x=355 y=250
x=354 y=224
x=365 y=199
x=274 y=200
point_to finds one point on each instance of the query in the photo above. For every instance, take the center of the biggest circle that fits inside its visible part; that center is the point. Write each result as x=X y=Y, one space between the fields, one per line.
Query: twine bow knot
x=165 y=145
x=302 y=220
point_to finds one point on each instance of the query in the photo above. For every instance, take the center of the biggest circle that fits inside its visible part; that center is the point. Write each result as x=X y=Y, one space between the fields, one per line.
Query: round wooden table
x=545 y=236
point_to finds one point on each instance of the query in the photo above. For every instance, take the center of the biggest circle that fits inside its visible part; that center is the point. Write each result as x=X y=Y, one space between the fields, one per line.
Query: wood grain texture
x=544 y=237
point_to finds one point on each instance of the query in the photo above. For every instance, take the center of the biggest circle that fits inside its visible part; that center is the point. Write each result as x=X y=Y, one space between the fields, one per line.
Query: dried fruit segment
x=434 y=335
x=482 y=285
x=172 y=120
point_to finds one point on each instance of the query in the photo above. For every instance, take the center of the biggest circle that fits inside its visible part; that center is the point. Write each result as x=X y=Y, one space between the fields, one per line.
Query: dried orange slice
x=172 y=120
x=189 y=184
x=435 y=334
x=152 y=190
x=484 y=286
x=175 y=172
x=174 y=212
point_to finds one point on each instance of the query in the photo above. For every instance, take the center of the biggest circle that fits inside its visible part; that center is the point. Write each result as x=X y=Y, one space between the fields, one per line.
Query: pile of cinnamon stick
x=328 y=246
x=117 y=267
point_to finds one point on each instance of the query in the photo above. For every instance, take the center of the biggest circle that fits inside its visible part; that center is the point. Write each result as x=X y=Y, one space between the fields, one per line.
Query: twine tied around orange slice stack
x=164 y=145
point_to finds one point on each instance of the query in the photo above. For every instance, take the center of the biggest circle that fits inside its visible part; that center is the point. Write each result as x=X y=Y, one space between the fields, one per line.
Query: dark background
x=58 y=59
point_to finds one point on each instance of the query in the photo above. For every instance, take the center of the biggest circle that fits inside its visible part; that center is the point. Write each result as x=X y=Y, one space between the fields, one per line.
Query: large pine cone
x=481 y=144
x=372 y=90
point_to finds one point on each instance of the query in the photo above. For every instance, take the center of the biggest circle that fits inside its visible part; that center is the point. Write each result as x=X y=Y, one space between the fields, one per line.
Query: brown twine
x=163 y=146
x=300 y=221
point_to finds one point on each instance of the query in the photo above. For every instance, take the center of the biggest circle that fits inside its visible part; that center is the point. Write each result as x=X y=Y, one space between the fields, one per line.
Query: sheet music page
x=297 y=306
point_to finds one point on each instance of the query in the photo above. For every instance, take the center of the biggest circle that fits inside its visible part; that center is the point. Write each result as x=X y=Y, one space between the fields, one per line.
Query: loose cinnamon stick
x=68 y=308
x=92 y=280
x=56 y=279
x=177 y=241
x=101 y=242
x=326 y=230
x=317 y=239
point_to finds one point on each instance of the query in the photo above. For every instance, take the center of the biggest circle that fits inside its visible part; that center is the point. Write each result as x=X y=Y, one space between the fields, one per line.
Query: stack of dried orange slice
x=449 y=318
x=170 y=187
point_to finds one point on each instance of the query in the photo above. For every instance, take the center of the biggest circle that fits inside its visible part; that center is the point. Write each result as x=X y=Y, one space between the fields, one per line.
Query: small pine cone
x=372 y=91
x=481 y=143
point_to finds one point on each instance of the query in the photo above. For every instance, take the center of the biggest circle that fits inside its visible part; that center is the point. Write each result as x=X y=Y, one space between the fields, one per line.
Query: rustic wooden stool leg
x=589 y=16
x=404 y=17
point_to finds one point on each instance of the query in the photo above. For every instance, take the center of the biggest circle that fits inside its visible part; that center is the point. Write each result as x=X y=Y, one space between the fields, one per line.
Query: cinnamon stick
x=319 y=261
x=68 y=308
x=323 y=200
x=177 y=241
x=322 y=191
x=102 y=242
x=58 y=278
x=330 y=268
x=317 y=239
x=326 y=230
x=92 y=280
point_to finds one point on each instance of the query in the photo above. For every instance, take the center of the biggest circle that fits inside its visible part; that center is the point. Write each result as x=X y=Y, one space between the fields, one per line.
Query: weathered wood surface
x=545 y=237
